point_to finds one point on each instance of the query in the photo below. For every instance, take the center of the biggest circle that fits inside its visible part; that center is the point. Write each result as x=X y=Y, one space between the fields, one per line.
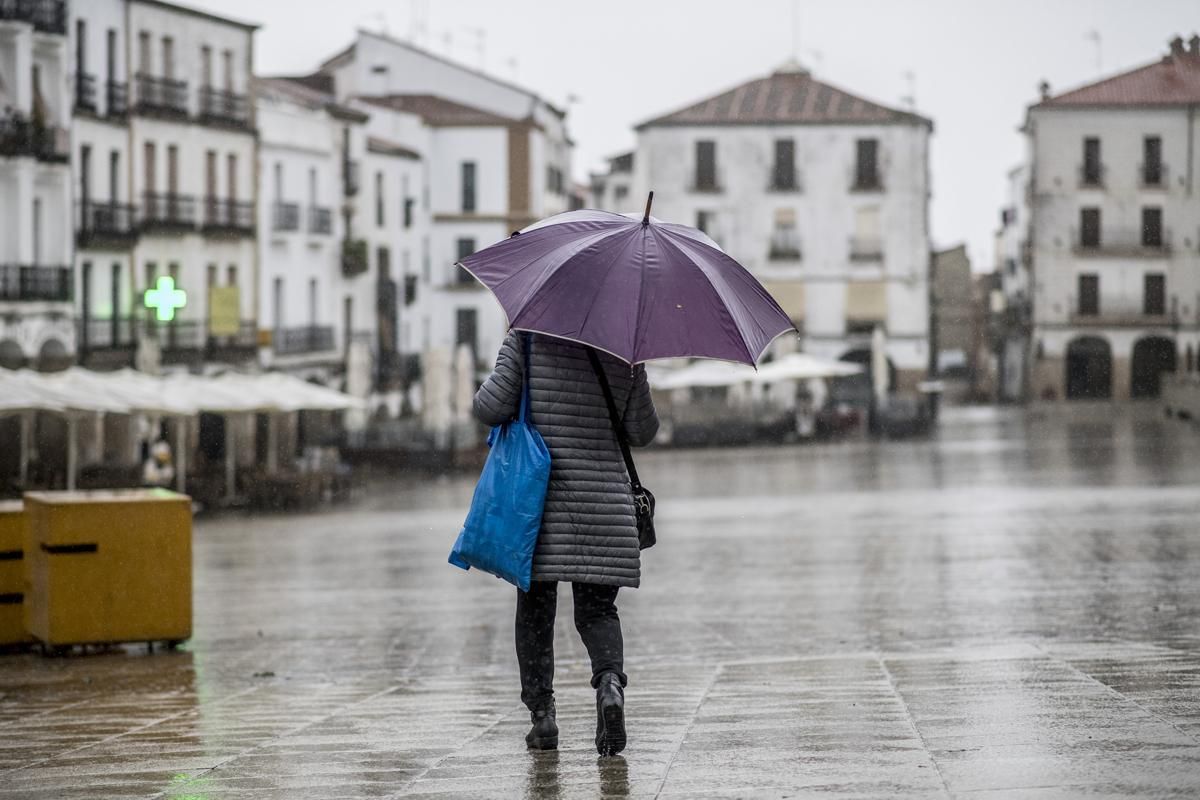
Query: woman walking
x=588 y=536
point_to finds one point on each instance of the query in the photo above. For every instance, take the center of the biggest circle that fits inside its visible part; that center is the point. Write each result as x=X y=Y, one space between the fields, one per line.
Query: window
x=1154 y=294
x=80 y=47
x=114 y=176
x=168 y=57
x=85 y=174
x=149 y=156
x=1089 y=295
x=278 y=173
x=206 y=66
x=227 y=68
x=866 y=164
x=467 y=328
x=620 y=193
x=111 y=55
x=172 y=169
x=426 y=261
x=1089 y=227
x=312 y=301
x=86 y=301
x=464 y=247
x=277 y=303
x=785 y=242
x=1093 y=172
x=379 y=199
x=468 y=187
x=210 y=175
x=145 y=57
x=1152 y=227
x=114 y=293
x=784 y=175
x=231 y=275
x=1152 y=166
x=312 y=186
x=211 y=275
x=704 y=221
x=383 y=260
x=231 y=169
x=706 y=165
x=151 y=270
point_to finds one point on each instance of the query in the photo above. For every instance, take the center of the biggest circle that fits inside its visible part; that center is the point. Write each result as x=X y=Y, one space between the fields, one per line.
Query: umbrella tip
x=649 y=202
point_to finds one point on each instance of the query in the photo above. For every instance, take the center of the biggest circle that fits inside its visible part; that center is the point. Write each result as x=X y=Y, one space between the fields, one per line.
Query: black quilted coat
x=589 y=531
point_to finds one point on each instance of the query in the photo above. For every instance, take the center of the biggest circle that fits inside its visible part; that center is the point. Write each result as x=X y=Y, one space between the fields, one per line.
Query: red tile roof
x=787 y=96
x=438 y=111
x=1173 y=80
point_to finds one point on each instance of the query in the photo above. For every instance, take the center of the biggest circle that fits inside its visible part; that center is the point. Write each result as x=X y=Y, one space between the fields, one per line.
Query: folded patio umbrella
x=639 y=289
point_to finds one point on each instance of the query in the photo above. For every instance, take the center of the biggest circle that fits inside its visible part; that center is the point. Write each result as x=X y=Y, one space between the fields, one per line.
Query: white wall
x=743 y=216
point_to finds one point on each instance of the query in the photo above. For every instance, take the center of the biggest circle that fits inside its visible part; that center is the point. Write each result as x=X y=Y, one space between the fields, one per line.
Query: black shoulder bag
x=643 y=500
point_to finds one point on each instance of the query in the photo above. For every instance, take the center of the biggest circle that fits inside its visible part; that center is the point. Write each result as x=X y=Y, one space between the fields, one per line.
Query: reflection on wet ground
x=1007 y=610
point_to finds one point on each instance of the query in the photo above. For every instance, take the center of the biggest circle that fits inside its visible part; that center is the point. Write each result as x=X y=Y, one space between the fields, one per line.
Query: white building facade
x=1013 y=258
x=304 y=141
x=1115 y=231
x=192 y=148
x=36 y=283
x=495 y=157
x=822 y=195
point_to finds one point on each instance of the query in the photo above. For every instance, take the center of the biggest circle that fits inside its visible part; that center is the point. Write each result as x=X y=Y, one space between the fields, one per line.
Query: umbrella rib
x=742 y=334
x=596 y=297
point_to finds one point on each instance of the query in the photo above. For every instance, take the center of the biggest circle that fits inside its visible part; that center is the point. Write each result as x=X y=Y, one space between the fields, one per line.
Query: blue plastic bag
x=502 y=526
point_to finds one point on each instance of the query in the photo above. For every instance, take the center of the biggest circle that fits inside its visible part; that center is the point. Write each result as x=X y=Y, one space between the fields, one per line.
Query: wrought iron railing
x=218 y=105
x=308 y=339
x=285 y=217
x=231 y=216
x=47 y=16
x=31 y=283
x=168 y=211
x=161 y=95
x=106 y=221
x=320 y=220
x=85 y=92
x=118 y=99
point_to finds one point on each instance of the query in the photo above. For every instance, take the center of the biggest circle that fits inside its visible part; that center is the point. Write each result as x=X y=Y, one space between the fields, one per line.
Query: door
x=210 y=186
x=173 y=181
x=111 y=56
x=150 y=179
x=168 y=54
x=206 y=67
x=114 y=301
x=85 y=183
x=467 y=329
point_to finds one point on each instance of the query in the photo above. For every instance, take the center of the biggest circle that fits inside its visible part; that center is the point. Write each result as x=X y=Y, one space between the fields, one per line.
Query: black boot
x=544 y=733
x=610 y=715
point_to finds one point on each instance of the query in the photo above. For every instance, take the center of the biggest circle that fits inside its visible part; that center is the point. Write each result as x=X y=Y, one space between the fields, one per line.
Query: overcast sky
x=975 y=65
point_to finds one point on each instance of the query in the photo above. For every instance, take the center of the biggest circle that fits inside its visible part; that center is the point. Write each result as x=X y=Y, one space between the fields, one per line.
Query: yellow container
x=108 y=566
x=12 y=573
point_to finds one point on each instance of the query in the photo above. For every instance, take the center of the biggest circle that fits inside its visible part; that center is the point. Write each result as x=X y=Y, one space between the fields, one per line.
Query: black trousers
x=598 y=625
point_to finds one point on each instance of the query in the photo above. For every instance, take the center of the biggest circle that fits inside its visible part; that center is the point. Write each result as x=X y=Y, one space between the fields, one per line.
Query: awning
x=127 y=392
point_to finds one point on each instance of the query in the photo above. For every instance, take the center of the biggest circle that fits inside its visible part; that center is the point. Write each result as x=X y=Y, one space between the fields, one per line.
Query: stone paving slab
x=1007 y=611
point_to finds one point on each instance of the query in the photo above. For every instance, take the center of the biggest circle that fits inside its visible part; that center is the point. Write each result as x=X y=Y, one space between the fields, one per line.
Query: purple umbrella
x=637 y=288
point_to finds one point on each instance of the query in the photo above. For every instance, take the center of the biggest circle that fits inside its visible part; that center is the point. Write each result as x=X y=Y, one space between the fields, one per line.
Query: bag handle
x=526 y=346
x=615 y=419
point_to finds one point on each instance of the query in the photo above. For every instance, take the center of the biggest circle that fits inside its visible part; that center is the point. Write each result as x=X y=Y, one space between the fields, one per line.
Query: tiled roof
x=1173 y=80
x=438 y=111
x=788 y=96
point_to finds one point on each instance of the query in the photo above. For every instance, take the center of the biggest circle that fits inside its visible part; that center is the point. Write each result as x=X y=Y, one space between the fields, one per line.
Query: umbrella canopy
x=640 y=289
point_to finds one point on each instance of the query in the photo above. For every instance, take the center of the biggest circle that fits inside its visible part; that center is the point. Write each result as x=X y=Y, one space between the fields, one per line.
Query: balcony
x=354 y=257
x=1092 y=176
x=309 y=339
x=47 y=16
x=116 y=332
x=220 y=107
x=705 y=182
x=1152 y=176
x=162 y=97
x=106 y=224
x=230 y=217
x=1123 y=243
x=785 y=246
x=866 y=180
x=285 y=217
x=21 y=136
x=85 y=93
x=118 y=99
x=866 y=248
x=1124 y=315
x=168 y=212
x=188 y=341
x=320 y=220
x=30 y=284
x=783 y=181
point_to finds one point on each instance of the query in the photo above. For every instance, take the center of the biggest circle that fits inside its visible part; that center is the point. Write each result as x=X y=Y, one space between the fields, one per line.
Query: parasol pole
x=649 y=202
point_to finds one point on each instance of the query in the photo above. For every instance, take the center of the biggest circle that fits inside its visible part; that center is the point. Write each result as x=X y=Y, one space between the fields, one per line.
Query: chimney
x=1177 y=46
x=1044 y=88
x=1194 y=45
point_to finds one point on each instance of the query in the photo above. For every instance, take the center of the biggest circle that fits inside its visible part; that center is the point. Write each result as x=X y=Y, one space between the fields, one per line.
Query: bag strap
x=526 y=346
x=615 y=419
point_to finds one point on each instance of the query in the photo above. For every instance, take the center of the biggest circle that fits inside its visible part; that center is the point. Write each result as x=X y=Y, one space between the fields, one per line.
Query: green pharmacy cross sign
x=165 y=299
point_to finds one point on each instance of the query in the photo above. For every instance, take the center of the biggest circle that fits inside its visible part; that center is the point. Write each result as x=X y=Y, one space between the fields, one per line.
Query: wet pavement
x=1009 y=610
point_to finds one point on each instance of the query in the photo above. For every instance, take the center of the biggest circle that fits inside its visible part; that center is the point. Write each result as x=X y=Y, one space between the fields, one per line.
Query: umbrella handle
x=649 y=201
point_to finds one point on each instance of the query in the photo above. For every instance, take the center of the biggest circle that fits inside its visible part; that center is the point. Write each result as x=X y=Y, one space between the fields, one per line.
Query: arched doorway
x=1152 y=356
x=1089 y=369
x=862 y=356
x=11 y=355
x=53 y=356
